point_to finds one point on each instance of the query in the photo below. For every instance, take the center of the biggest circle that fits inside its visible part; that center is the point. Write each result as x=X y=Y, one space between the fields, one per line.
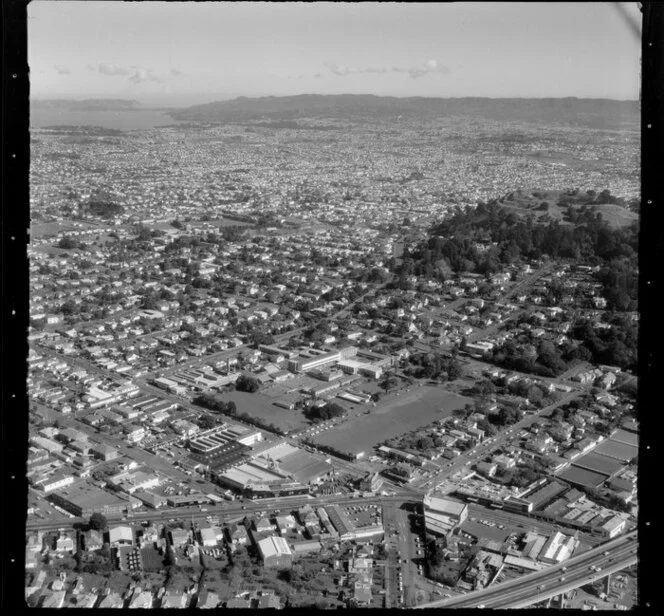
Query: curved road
x=611 y=556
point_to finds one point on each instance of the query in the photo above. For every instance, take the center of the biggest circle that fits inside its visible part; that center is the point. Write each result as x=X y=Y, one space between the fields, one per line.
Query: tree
x=424 y=444
x=69 y=307
x=98 y=521
x=206 y=422
x=323 y=413
x=67 y=243
x=454 y=369
x=247 y=383
x=388 y=382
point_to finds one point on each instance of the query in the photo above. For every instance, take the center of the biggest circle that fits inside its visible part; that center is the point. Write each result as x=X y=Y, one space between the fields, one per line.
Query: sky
x=182 y=53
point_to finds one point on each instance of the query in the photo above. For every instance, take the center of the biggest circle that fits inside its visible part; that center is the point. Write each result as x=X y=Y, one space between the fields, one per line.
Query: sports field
x=263 y=408
x=392 y=417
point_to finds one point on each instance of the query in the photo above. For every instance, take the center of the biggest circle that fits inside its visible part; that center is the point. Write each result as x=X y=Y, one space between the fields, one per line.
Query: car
x=562 y=579
x=605 y=553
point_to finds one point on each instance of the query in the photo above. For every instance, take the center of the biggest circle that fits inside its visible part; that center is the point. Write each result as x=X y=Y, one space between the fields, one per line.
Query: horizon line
x=263 y=96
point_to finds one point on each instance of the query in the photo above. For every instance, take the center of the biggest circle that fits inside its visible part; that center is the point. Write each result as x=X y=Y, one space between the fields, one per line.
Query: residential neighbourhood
x=330 y=352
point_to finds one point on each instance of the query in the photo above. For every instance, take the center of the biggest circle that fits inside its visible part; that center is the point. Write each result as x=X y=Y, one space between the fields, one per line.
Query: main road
x=577 y=571
x=228 y=510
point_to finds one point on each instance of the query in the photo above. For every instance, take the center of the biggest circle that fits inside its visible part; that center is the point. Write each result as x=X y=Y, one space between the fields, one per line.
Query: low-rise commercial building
x=275 y=552
x=82 y=499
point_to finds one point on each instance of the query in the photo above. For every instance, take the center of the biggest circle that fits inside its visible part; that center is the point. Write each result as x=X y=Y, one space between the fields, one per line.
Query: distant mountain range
x=92 y=104
x=592 y=113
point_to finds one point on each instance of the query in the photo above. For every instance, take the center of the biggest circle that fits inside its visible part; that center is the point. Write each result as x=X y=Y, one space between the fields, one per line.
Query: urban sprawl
x=262 y=375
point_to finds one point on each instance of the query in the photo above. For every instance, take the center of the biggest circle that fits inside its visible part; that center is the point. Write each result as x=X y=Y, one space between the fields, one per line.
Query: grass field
x=261 y=407
x=39 y=230
x=392 y=417
x=615 y=215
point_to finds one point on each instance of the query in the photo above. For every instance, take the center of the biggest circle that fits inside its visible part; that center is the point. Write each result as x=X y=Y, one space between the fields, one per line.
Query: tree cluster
x=433 y=366
x=69 y=243
x=103 y=209
x=247 y=384
x=323 y=413
x=614 y=346
x=458 y=244
x=214 y=403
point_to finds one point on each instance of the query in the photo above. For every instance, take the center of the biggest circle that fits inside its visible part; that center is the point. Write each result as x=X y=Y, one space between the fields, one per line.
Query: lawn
x=261 y=407
x=393 y=416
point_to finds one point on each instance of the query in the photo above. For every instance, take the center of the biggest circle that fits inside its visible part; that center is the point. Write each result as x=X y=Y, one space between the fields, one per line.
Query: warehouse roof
x=274 y=546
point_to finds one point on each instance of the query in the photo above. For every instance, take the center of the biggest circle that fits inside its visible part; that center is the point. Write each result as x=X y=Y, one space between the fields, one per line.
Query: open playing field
x=392 y=417
x=40 y=229
x=262 y=408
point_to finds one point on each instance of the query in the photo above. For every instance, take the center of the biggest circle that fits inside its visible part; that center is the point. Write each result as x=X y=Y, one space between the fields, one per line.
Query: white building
x=275 y=552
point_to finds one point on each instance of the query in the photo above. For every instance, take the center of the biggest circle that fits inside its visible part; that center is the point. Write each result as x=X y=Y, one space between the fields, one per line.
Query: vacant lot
x=488 y=532
x=392 y=417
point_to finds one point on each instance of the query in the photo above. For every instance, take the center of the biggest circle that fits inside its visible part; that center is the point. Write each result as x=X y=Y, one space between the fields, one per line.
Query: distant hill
x=591 y=113
x=93 y=104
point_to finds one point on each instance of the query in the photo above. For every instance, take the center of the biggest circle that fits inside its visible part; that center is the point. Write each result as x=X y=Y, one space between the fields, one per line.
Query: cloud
x=133 y=73
x=341 y=70
x=110 y=69
x=62 y=70
x=143 y=75
x=427 y=67
x=430 y=66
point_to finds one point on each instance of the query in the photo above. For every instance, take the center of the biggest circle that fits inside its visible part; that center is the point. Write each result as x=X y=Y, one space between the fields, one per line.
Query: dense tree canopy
x=323 y=413
x=247 y=383
x=98 y=521
x=487 y=238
